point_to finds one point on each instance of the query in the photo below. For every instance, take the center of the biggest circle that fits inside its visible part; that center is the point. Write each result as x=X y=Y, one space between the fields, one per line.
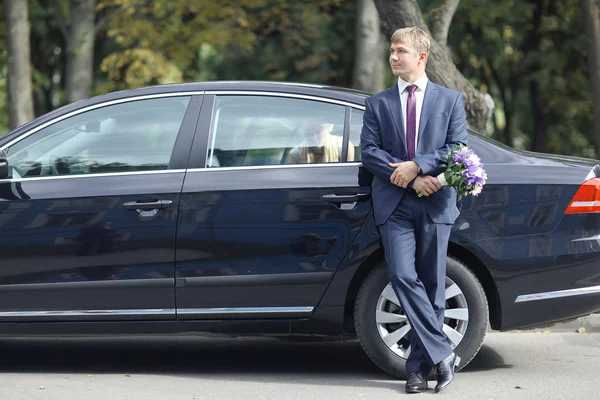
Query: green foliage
x=249 y=39
x=506 y=47
x=298 y=42
x=48 y=56
x=530 y=55
x=158 y=42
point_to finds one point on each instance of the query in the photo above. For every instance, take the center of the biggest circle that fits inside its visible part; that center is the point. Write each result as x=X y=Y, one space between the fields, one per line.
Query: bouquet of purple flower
x=463 y=171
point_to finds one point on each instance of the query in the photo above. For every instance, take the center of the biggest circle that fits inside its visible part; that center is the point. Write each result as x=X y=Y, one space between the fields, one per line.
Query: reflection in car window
x=133 y=136
x=490 y=150
x=263 y=130
x=356 y=123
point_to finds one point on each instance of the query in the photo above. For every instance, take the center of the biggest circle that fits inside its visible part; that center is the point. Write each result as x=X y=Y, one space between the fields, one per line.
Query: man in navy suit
x=407 y=130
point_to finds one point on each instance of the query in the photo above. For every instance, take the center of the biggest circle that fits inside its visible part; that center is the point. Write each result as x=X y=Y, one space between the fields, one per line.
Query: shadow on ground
x=251 y=359
x=486 y=360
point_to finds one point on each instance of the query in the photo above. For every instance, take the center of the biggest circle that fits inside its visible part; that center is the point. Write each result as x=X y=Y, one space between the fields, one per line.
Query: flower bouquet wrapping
x=463 y=171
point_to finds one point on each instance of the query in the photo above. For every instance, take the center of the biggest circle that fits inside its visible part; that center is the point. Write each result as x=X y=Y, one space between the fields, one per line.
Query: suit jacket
x=383 y=141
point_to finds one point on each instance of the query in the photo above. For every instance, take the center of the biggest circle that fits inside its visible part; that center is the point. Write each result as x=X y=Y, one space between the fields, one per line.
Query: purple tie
x=411 y=121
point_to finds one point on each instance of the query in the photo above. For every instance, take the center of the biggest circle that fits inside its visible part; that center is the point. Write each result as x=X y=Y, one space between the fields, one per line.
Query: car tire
x=371 y=297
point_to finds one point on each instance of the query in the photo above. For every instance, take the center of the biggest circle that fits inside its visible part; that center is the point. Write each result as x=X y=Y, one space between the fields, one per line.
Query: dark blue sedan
x=243 y=207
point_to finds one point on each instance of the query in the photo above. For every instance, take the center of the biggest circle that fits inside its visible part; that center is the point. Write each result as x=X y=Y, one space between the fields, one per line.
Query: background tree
x=246 y=39
x=441 y=69
x=79 y=23
x=592 y=24
x=20 y=101
x=535 y=58
x=370 y=58
x=528 y=56
x=4 y=113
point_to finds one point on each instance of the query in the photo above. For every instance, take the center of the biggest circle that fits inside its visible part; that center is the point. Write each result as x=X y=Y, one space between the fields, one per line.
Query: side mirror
x=3 y=165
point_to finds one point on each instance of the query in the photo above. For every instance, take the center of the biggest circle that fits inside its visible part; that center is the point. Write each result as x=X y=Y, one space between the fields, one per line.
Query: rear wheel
x=384 y=332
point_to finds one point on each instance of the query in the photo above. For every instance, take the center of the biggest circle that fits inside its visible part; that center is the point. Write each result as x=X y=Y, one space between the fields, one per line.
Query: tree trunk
x=80 y=50
x=20 y=98
x=508 y=103
x=508 y=117
x=370 y=61
x=539 y=130
x=591 y=12
x=440 y=21
x=532 y=42
x=441 y=69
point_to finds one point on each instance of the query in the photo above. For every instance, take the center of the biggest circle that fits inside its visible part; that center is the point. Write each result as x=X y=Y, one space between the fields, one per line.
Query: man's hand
x=404 y=173
x=426 y=184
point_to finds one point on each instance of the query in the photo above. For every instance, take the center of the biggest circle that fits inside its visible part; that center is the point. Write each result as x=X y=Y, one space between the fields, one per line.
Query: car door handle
x=346 y=198
x=147 y=205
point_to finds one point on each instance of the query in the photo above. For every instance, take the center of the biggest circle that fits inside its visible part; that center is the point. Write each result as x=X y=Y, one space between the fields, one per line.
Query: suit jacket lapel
x=395 y=105
x=428 y=105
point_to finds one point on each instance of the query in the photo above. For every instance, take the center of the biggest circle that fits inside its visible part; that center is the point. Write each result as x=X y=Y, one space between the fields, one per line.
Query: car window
x=356 y=123
x=264 y=130
x=133 y=136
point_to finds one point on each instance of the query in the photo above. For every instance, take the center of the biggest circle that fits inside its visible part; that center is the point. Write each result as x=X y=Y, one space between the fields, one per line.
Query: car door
x=264 y=225
x=88 y=213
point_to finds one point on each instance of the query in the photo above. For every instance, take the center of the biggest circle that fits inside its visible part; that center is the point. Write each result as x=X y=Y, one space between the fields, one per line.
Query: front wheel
x=384 y=332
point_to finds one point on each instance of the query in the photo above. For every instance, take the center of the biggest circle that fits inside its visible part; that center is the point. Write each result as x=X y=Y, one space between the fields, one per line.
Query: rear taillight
x=587 y=198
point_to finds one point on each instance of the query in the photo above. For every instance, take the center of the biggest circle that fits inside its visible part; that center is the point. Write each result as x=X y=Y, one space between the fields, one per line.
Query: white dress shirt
x=421 y=84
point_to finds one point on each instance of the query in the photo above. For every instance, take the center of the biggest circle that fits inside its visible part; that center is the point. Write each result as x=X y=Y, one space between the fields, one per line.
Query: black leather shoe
x=416 y=383
x=445 y=371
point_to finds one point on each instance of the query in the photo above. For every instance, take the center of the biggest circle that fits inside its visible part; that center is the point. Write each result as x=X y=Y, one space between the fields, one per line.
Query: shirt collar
x=421 y=83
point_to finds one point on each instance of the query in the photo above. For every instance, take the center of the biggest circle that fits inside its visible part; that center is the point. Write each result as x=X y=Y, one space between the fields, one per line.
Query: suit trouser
x=415 y=251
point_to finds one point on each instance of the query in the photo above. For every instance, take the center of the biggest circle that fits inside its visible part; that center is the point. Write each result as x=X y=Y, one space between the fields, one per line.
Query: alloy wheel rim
x=393 y=326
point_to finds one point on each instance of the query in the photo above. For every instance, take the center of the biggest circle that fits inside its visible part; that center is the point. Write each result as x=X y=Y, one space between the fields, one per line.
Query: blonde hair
x=416 y=37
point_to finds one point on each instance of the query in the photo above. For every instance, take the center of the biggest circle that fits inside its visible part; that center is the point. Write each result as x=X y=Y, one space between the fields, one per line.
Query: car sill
x=190 y=313
x=558 y=294
x=185 y=312
x=86 y=313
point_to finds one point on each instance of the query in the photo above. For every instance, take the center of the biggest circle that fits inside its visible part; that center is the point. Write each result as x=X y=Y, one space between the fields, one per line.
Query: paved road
x=528 y=365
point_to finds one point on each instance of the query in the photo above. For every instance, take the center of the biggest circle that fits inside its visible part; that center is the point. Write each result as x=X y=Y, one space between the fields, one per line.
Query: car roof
x=329 y=91
x=310 y=89
x=254 y=85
